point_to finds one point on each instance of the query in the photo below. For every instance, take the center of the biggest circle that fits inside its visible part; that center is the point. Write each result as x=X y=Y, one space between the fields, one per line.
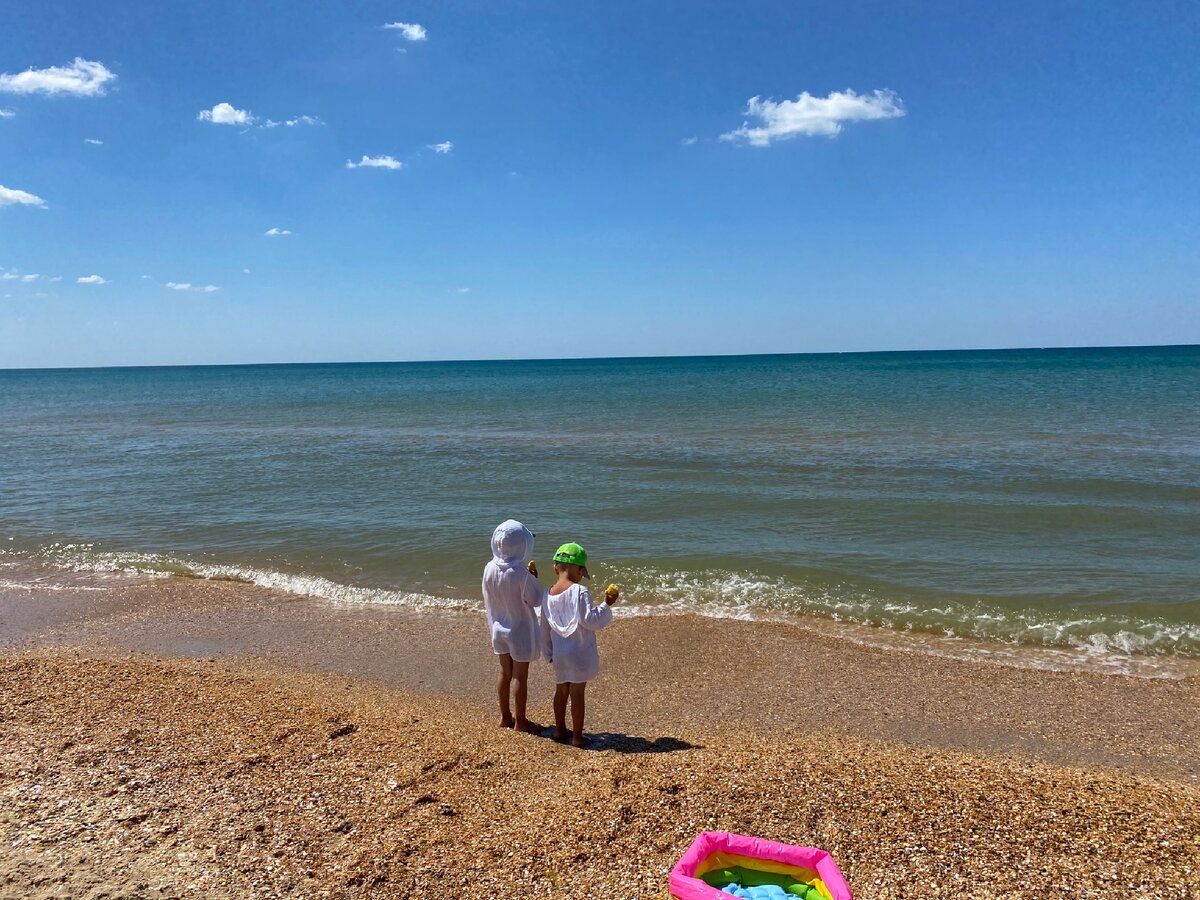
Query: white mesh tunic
x=569 y=626
x=511 y=596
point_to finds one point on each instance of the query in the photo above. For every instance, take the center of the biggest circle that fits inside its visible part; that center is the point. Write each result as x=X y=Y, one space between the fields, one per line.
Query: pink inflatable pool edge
x=684 y=885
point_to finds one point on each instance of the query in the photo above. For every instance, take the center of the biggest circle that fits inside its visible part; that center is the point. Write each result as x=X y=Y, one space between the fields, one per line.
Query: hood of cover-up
x=512 y=544
x=562 y=611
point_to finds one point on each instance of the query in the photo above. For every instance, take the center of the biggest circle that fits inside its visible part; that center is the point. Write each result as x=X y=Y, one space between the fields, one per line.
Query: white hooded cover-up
x=569 y=626
x=511 y=596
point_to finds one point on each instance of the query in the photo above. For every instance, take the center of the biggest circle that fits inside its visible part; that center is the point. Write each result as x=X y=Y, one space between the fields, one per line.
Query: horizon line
x=532 y=359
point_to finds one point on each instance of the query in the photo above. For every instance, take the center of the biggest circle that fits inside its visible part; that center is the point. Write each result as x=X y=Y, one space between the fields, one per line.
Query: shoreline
x=1094 y=659
x=668 y=671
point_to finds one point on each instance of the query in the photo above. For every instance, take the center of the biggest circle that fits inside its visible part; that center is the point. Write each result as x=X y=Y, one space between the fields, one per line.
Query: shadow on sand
x=626 y=743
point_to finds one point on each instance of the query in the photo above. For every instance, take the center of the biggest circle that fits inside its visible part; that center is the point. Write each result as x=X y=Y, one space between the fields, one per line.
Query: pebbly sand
x=192 y=739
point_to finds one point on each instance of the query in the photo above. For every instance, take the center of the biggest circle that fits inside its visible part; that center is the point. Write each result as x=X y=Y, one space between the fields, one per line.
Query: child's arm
x=533 y=592
x=544 y=633
x=593 y=617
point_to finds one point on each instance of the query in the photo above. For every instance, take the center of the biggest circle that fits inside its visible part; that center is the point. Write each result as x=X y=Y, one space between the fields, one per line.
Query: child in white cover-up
x=512 y=597
x=569 y=626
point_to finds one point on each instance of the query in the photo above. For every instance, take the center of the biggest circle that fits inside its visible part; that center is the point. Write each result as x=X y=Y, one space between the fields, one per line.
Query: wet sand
x=194 y=739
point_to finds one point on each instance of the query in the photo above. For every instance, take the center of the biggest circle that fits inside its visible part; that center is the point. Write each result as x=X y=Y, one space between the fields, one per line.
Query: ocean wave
x=323 y=588
x=749 y=596
x=85 y=559
x=949 y=627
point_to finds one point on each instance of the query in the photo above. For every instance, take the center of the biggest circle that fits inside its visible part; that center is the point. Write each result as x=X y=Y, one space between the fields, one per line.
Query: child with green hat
x=569 y=626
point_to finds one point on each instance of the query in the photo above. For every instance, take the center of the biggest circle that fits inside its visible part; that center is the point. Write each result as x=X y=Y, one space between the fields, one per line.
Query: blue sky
x=912 y=176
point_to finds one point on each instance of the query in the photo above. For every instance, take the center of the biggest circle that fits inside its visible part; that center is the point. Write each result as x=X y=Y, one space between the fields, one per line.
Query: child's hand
x=532 y=567
x=611 y=594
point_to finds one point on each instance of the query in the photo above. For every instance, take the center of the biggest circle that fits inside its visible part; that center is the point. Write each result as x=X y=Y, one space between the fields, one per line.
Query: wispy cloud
x=81 y=78
x=688 y=141
x=6 y=114
x=186 y=286
x=13 y=197
x=15 y=275
x=375 y=162
x=409 y=31
x=292 y=123
x=93 y=141
x=91 y=279
x=809 y=116
x=464 y=290
x=277 y=232
x=226 y=114
x=56 y=278
x=443 y=147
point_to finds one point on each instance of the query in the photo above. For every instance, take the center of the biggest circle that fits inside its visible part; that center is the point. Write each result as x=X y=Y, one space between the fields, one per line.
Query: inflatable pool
x=719 y=865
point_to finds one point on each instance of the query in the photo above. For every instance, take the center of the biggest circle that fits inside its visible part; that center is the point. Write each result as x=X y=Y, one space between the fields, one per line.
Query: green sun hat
x=573 y=554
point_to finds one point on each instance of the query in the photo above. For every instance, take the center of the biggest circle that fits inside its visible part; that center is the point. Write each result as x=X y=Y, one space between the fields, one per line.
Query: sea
x=1025 y=504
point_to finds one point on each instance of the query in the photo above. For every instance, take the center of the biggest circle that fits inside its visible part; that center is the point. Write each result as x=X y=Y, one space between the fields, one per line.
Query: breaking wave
x=961 y=629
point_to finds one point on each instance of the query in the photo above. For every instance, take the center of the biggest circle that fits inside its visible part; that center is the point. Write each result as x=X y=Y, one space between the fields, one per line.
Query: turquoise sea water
x=1041 y=497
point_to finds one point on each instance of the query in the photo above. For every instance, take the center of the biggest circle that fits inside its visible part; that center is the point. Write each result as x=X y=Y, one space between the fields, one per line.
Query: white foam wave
x=960 y=630
x=323 y=588
x=42 y=584
x=749 y=596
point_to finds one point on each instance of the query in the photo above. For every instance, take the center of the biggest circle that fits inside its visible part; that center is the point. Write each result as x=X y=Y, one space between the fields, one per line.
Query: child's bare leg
x=520 y=671
x=502 y=688
x=577 y=738
x=561 y=693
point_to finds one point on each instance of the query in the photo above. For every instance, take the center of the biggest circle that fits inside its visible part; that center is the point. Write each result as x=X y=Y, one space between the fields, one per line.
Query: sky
x=287 y=182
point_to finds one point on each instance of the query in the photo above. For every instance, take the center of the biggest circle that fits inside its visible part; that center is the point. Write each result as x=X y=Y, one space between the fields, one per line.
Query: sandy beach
x=188 y=738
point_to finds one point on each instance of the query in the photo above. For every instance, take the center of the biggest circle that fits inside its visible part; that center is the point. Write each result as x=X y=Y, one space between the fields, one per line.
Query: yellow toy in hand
x=611 y=593
x=532 y=567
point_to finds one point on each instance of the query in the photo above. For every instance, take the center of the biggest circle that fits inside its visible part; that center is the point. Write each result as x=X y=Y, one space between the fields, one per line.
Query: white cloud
x=245 y=271
x=186 y=286
x=91 y=279
x=813 y=116
x=9 y=276
x=226 y=114
x=277 y=232
x=688 y=141
x=56 y=278
x=375 y=162
x=443 y=147
x=464 y=290
x=147 y=277
x=29 y=278
x=92 y=141
x=411 y=32
x=11 y=196
x=292 y=123
x=82 y=78
x=6 y=114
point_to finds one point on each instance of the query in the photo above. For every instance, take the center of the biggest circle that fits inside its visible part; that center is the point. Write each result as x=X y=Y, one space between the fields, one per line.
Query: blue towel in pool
x=759 y=892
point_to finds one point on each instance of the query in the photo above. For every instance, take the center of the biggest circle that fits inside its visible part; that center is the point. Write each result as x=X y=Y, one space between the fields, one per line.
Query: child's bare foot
x=580 y=741
x=507 y=722
x=561 y=735
x=529 y=727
